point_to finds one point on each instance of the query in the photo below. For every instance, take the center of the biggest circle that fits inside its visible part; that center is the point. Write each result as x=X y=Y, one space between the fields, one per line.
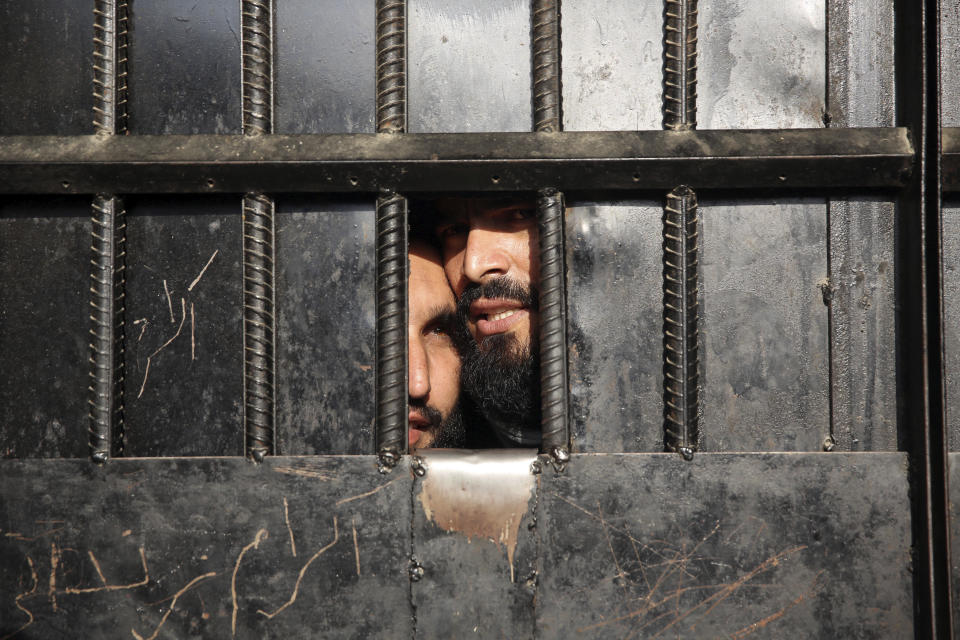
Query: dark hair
x=422 y=217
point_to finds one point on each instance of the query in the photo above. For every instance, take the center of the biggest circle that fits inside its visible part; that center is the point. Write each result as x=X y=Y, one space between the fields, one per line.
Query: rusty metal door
x=749 y=295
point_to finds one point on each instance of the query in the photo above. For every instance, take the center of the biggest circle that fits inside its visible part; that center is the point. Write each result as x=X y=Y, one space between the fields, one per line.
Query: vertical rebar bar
x=391 y=372
x=680 y=64
x=548 y=117
x=681 y=247
x=681 y=357
x=259 y=321
x=108 y=238
x=545 y=20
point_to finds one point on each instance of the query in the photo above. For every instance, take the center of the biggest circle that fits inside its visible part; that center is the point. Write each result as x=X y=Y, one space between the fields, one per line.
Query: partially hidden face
x=434 y=365
x=491 y=258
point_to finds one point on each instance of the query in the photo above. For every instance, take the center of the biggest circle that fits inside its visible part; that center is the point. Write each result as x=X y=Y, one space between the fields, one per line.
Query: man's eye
x=525 y=213
x=449 y=231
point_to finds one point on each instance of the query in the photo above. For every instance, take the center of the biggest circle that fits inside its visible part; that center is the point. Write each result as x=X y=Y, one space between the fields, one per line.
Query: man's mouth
x=417 y=425
x=497 y=315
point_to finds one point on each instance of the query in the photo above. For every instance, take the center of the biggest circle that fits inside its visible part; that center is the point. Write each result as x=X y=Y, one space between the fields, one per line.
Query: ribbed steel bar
x=680 y=64
x=548 y=118
x=259 y=320
x=391 y=66
x=391 y=329
x=545 y=20
x=391 y=373
x=258 y=325
x=108 y=236
x=681 y=248
x=256 y=24
x=553 y=329
x=681 y=379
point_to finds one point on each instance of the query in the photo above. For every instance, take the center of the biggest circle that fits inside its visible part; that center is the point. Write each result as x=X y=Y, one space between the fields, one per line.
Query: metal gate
x=744 y=263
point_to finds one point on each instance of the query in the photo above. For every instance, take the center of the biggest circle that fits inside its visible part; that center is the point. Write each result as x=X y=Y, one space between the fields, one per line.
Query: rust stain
x=173 y=605
x=303 y=571
x=26 y=594
x=479 y=494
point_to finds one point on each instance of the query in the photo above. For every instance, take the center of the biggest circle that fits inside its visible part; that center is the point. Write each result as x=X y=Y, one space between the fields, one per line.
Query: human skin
x=434 y=365
x=486 y=238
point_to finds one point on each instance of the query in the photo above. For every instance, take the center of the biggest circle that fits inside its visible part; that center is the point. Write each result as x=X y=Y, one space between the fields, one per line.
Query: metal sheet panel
x=184 y=67
x=949 y=63
x=860 y=94
x=44 y=326
x=805 y=546
x=761 y=66
x=324 y=76
x=953 y=461
x=473 y=544
x=614 y=316
x=325 y=326
x=764 y=328
x=46 y=79
x=468 y=66
x=951 y=324
x=184 y=349
x=190 y=548
x=612 y=59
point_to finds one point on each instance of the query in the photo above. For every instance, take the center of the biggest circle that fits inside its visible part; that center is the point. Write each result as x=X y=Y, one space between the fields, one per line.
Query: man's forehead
x=459 y=207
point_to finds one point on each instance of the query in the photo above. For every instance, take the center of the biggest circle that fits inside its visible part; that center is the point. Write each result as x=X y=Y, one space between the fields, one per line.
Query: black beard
x=449 y=433
x=501 y=376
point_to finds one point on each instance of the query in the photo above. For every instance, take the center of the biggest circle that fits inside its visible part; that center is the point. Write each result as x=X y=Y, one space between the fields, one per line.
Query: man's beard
x=500 y=376
x=449 y=433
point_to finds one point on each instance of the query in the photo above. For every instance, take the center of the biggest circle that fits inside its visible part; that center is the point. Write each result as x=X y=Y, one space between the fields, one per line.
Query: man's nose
x=484 y=256
x=418 y=375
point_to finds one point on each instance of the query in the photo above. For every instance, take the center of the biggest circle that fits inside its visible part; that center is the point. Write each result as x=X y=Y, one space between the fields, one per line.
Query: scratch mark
x=367 y=494
x=306 y=473
x=143 y=329
x=169 y=301
x=193 y=341
x=25 y=594
x=759 y=624
x=202 y=271
x=173 y=605
x=54 y=563
x=146 y=372
x=113 y=587
x=356 y=547
x=22 y=538
x=262 y=535
x=183 y=317
x=286 y=518
x=296 y=587
x=621 y=575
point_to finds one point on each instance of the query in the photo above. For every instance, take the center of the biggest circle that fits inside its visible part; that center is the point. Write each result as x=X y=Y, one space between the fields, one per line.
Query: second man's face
x=490 y=256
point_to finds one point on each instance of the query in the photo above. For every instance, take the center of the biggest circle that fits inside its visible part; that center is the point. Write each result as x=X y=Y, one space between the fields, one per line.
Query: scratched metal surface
x=860 y=94
x=614 y=318
x=950 y=117
x=324 y=69
x=799 y=546
x=764 y=330
x=953 y=461
x=949 y=63
x=325 y=267
x=40 y=93
x=222 y=537
x=44 y=324
x=472 y=534
x=761 y=66
x=326 y=326
x=951 y=312
x=190 y=400
x=184 y=67
x=612 y=60
x=468 y=66
x=764 y=333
